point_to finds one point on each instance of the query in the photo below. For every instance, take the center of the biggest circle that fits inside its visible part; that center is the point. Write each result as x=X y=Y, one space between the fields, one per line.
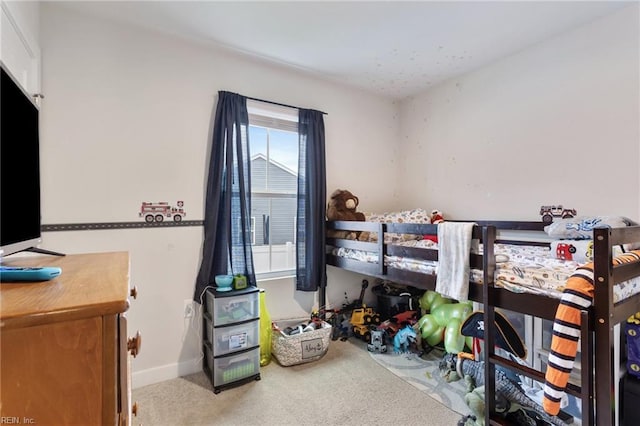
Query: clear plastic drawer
x=233 y=307
x=233 y=367
x=234 y=338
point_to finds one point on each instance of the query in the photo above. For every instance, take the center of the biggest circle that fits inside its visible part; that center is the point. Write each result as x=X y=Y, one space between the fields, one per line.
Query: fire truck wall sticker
x=549 y=212
x=156 y=212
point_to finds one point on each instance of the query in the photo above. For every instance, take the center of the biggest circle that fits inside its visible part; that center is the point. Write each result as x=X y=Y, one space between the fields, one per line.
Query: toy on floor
x=363 y=321
x=506 y=336
x=363 y=318
x=453 y=367
x=377 y=342
x=443 y=321
x=340 y=319
x=393 y=324
x=403 y=338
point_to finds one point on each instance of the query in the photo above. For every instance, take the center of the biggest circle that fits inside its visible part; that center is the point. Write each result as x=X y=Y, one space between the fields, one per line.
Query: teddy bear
x=342 y=206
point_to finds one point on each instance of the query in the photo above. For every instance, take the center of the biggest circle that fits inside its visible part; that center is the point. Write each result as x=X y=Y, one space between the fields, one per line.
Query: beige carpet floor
x=423 y=373
x=345 y=387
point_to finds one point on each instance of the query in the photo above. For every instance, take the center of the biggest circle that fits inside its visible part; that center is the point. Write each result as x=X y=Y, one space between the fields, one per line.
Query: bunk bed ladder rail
x=606 y=316
x=584 y=392
x=488 y=270
x=603 y=326
x=586 y=373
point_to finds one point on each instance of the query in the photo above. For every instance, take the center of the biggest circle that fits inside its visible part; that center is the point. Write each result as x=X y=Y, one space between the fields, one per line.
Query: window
x=273 y=139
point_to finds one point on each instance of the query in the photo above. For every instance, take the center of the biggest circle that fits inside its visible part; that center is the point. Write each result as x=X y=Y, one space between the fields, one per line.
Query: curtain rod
x=279 y=104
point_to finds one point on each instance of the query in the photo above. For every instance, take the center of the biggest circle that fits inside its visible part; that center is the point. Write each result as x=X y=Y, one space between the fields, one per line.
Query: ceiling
x=391 y=48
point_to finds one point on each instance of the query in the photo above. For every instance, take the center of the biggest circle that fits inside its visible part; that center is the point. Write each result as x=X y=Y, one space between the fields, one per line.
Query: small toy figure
x=437 y=217
x=403 y=339
x=377 y=342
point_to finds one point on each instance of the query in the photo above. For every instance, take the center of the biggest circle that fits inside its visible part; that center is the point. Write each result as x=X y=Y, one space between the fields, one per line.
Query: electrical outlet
x=188 y=308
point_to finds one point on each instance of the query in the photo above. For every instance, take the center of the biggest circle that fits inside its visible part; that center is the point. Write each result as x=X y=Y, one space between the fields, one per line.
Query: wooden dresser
x=63 y=343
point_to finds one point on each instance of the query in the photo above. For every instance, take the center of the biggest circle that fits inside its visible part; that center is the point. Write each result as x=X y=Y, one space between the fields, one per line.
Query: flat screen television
x=19 y=168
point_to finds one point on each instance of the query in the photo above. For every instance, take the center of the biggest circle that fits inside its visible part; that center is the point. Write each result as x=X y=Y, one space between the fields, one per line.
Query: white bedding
x=521 y=269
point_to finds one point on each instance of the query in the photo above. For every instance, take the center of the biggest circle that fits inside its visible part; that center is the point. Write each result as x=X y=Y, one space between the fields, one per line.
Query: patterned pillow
x=407 y=216
x=581 y=228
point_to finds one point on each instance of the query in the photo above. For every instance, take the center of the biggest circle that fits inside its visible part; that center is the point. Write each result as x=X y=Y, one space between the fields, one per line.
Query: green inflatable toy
x=443 y=321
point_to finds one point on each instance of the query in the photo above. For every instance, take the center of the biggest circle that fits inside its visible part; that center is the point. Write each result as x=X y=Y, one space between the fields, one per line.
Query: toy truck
x=549 y=212
x=362 y=319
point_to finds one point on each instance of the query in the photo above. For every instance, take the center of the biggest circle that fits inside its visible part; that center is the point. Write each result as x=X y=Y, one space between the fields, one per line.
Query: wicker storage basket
x=301 y=348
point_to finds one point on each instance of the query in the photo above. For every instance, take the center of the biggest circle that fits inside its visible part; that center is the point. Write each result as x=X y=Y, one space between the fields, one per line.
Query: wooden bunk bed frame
x=597 y=341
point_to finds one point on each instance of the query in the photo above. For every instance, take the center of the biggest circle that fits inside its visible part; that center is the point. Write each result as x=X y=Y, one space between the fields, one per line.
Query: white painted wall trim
x=153 y=375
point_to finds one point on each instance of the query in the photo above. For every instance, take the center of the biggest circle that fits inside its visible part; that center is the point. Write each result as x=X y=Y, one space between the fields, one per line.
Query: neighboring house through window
x=273 y=139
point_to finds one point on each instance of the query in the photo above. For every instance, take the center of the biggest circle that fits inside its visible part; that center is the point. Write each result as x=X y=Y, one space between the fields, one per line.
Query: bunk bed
x=597 y=322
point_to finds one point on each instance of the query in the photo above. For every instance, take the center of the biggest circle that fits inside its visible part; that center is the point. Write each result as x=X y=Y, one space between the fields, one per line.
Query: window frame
x=279 y=118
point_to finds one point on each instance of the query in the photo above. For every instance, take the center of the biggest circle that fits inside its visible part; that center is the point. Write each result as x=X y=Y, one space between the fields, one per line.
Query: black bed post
x=586 y=373
x=606 y=411
x=382 y=248
x=488 y=266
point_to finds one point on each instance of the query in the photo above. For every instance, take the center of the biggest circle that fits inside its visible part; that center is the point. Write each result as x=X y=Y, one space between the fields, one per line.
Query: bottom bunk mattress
x=519 y=268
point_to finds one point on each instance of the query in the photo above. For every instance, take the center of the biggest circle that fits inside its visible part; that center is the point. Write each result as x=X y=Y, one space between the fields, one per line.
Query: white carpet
x=425 y=376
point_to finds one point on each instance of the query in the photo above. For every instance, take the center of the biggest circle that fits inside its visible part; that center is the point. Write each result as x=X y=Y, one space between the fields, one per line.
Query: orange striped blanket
x=577 y=296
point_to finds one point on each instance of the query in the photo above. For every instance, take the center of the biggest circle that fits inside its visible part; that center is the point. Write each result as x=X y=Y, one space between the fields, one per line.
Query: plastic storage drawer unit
x=231 y=337
x=233 y=307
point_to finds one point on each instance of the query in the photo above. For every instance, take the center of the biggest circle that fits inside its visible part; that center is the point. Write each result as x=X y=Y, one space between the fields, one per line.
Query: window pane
x=275 y=220
x=258 y=150
x=283 y=152
x=278 y=149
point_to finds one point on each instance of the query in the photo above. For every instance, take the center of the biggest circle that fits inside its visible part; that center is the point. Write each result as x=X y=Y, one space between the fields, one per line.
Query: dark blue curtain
x=311 y=271
x=227 y=216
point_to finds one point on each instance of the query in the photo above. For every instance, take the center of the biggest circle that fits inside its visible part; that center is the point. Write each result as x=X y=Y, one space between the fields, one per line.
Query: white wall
x=126 y=119
x=556 y=123
x=19 y=36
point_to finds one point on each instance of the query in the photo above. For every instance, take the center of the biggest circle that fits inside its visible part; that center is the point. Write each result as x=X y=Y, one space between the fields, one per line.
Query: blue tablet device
x=18 y=274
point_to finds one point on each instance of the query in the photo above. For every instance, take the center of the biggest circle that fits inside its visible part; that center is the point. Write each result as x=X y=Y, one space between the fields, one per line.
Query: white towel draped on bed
x=454 y=243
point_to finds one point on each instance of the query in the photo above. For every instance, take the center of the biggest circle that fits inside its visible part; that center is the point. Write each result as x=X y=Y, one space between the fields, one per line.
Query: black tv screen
x=19 y=168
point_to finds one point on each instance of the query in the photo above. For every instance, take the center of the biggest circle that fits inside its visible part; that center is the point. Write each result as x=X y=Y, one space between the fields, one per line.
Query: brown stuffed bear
x=342 y=206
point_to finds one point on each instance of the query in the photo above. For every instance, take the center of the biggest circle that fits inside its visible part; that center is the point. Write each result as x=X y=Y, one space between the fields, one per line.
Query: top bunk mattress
x=519 y=268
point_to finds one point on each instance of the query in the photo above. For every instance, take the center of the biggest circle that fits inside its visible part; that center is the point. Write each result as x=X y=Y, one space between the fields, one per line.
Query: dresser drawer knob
x=133 y=344
x=134 y=292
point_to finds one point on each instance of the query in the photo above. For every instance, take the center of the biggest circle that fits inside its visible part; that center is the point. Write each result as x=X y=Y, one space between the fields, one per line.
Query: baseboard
x=165 y=372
